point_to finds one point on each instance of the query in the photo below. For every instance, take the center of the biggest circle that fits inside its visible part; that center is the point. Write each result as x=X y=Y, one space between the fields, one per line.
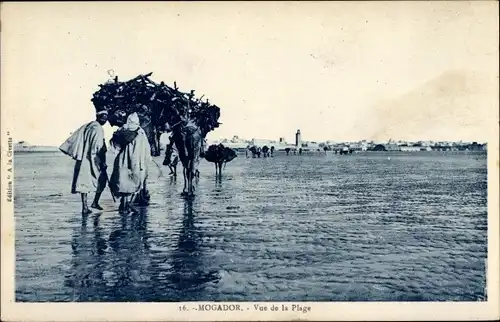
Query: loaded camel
x=265 y=151
x=188 y=133
x=219 y=155
x=188 y=139
x=255 y=151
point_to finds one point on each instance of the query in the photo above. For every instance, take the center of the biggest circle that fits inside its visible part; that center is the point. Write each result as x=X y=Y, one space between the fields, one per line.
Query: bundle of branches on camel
x=219 y=155
x=157 y=104
x=162 y=108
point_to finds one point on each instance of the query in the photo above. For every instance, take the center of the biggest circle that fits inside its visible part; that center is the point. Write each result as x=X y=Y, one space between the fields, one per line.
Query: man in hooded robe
x=130 y=168
x=87 y=147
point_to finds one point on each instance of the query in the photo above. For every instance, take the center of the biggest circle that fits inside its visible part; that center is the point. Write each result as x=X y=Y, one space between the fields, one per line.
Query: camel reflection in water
x=123 y=267
x=190 y=274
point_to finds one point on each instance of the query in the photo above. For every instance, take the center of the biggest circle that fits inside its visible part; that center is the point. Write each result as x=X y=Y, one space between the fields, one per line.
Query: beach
x=389 y=226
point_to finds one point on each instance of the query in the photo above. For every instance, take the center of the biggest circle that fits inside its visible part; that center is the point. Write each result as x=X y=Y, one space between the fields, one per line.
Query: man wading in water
x=130 y=169
x=87 y=147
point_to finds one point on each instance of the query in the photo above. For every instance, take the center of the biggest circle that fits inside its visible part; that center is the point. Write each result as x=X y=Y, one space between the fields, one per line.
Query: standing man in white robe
x=130 y=169
x=87 y=147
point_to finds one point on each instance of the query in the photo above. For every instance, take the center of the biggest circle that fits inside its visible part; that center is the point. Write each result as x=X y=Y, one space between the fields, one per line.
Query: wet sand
x=311 y=228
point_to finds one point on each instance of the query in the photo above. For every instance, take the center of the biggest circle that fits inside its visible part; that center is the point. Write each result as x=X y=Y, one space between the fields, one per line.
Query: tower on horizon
x=298 y=139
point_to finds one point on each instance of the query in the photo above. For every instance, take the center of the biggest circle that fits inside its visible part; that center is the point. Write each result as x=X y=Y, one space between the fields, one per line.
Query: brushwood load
x=159 y=106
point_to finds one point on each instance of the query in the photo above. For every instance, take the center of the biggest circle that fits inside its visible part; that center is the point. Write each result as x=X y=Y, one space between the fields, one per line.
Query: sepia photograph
x=250 y=161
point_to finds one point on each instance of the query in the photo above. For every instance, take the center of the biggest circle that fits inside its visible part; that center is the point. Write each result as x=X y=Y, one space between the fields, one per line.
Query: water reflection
x=190 y=274
x=122 y=267
x=129 y=259
x=88 y=262
x=110 y=269
x=228 y=231
x=217 y=187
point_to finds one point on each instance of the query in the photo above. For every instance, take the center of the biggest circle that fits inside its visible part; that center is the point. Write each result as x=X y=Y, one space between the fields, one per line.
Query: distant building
x=310 y=146
x=234 y=143
x=298 y=139
x=262 y=142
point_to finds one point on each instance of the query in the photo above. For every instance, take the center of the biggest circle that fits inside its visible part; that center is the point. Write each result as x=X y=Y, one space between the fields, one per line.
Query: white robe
x=130 y=169
x=88 y=148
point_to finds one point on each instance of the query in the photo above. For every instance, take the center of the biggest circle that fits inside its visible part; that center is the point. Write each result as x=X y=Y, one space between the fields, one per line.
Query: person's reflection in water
x=190 y=275
x=86 y=276
x=129 y=259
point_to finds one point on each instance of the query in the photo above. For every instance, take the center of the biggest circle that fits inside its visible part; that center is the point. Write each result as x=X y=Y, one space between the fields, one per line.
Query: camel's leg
x=188 y=176
x=184 y=191
x=191 y=179
x=193 y=176
x=190 y=173
x=187 y=180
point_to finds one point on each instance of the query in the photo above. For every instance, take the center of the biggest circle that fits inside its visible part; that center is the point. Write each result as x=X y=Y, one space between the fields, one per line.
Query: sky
x=340 y=71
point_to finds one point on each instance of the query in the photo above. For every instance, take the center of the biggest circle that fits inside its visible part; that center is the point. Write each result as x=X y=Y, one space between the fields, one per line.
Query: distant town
x=241 y=144
x=363 y=145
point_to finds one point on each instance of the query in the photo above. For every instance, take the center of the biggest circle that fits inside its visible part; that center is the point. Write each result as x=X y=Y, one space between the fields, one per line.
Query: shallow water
x=315 y=227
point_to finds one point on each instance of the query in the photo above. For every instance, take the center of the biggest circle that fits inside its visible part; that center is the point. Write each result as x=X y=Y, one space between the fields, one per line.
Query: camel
x=265 y=151
x=188 y=139
x=219 y=155
x=255 y=151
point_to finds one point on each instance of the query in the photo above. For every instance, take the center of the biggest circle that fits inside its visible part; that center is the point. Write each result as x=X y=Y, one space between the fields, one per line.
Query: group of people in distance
x=87 y=146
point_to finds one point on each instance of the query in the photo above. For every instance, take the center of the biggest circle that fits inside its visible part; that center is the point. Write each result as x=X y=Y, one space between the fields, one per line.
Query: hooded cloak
x=130 y=168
